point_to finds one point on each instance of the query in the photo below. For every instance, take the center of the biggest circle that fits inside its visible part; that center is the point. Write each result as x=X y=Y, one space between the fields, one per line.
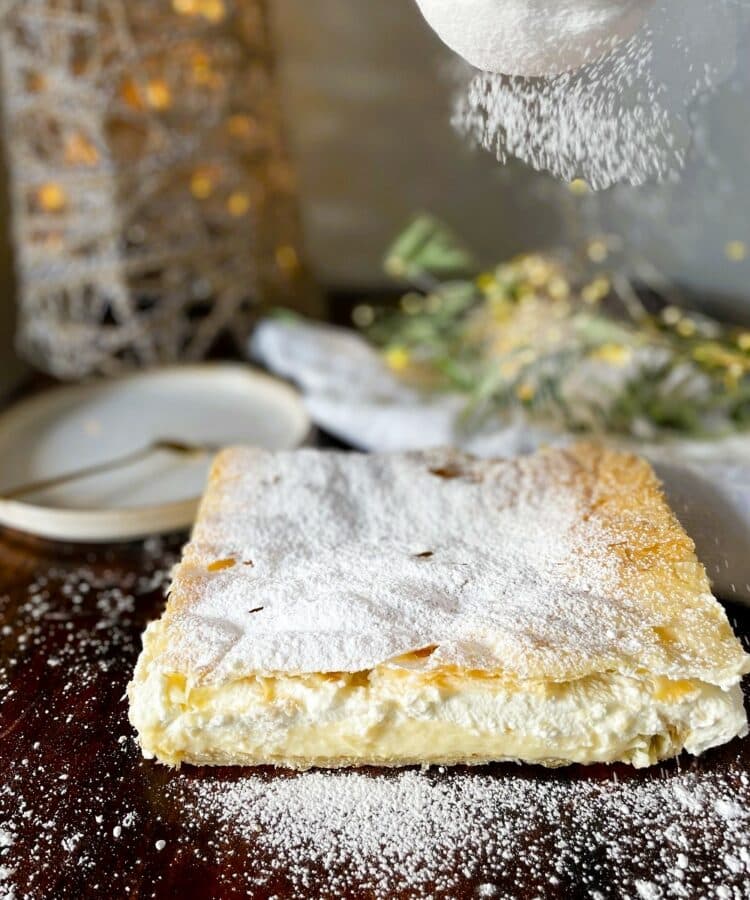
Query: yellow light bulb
x=158 y=94
x=213 y=10
x=201 y=185
x=203 y=73
x=51 y=197
x=238 y=204
x=286 y=258
x=240 y=125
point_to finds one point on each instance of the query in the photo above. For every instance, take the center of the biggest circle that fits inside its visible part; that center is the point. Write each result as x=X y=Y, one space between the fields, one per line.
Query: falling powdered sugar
x=623 y=118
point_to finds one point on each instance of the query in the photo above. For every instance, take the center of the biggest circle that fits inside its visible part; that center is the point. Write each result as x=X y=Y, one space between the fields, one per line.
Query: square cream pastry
x=342 y=609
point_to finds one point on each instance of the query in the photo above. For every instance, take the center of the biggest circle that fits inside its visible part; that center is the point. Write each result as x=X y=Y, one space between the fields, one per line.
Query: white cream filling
x=395 y=715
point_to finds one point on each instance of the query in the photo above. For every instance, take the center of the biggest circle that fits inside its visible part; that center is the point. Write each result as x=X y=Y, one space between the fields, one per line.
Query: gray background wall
x=368 y=89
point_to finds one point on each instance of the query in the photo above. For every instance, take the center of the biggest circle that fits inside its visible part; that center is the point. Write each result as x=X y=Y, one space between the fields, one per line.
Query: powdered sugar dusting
x=320 y=561
x=69 y=636
x=337 y=544
x=7 y=892
x=426 y=835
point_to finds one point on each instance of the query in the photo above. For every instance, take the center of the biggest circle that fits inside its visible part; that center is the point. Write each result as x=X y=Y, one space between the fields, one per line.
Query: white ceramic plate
x=70 y=428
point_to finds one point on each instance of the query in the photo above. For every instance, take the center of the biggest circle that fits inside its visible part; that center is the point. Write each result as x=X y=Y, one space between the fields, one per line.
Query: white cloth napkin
x=351 y=394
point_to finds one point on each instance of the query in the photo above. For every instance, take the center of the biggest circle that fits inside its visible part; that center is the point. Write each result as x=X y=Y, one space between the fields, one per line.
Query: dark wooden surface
x=85 y=810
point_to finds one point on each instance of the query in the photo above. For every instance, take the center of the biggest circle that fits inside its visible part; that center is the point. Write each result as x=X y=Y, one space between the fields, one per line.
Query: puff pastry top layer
x=551 y=567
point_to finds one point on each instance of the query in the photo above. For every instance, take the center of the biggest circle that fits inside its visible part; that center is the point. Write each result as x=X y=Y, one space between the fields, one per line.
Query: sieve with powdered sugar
x=533 y=37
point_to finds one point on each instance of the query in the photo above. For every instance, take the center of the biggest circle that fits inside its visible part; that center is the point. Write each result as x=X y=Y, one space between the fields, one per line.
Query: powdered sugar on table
x=425 y=833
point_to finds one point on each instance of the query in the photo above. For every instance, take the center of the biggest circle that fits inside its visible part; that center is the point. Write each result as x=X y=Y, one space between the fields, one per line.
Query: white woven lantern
x=153 y=203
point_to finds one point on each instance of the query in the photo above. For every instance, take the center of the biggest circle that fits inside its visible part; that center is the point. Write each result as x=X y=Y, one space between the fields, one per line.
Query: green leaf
x=428 y=247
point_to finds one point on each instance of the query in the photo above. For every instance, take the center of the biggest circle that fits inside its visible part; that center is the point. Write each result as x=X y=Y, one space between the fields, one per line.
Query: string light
x=213 y=10
x=51 y=197
x=238 y=203
x=181 y=156
x=286 y=258
x=241 y=125
x=202 y=184
x=202 y=71
x=185 y=7
x=158 y=94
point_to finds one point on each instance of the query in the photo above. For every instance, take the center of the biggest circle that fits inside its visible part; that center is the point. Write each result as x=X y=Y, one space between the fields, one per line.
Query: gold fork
x=171 y=445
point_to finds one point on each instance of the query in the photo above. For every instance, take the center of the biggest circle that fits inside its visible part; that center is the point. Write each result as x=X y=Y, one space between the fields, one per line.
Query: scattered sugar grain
x=623 y=118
